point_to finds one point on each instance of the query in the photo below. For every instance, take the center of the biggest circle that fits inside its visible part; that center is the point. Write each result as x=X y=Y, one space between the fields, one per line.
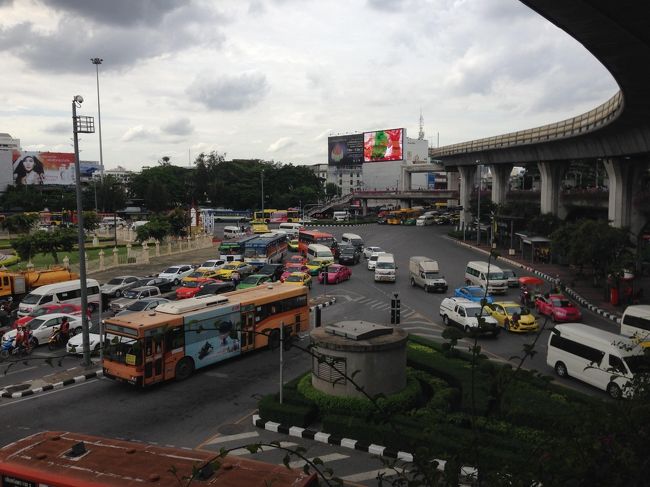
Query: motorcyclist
x=64 y=330
x=20 y=340
x=525 y=294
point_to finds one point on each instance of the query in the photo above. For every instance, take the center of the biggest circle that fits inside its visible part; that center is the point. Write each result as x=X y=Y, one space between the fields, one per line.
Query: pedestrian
x=235 y=277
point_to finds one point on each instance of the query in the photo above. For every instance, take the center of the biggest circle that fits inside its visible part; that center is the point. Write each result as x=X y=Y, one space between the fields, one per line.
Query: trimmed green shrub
x=293 y=411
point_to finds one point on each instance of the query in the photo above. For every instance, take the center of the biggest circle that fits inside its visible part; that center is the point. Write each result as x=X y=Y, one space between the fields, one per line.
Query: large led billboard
x=383 y=145
x=345 y=150
x=31 y=168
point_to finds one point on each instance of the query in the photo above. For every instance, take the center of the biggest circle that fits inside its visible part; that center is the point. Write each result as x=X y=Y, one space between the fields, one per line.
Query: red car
x=335 y=274
x=296 y=259
x=558 y=307
x=190 y=288
x=46 y=309
x=293 y=267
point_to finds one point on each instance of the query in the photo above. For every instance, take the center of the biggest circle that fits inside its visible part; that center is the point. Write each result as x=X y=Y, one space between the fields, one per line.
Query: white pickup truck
x=464 y=314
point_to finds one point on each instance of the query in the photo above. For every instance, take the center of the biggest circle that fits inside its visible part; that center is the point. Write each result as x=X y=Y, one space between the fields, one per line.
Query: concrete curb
x=322 y=305
x=610 y=316
x=57 y=385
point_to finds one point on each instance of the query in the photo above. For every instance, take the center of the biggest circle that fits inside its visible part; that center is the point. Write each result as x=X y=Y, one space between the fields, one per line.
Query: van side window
x=47 y=298
x=93 y=290
x=616 y=365
x=593 y=355
x=68 y=295
x=637 y=321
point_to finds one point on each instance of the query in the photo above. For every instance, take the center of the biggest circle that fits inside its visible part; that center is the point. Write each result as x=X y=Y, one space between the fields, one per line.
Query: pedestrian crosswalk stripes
x=237 y=437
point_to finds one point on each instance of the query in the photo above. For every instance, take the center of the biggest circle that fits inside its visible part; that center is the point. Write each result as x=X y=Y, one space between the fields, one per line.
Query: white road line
x=244 y=451
x=47 y=393
x=332 y=457
x=240 y=436
x=21 y=370
x=369 y=475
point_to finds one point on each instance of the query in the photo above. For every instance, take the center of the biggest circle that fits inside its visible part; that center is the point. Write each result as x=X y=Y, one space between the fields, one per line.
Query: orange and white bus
x=64 y=459
x=181 y=336
x=308 y=237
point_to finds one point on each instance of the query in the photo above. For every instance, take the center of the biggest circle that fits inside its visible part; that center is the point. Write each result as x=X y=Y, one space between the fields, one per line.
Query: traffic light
x=395 y=309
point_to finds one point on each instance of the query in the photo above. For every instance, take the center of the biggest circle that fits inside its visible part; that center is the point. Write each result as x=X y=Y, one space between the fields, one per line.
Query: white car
x=212 y=265
x=368 y=251
x=75 y=343
x=176 y=272
x=43 y=327
x=372 y=260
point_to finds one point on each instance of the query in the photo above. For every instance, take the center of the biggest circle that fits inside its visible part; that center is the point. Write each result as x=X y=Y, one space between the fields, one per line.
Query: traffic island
x=50 y=382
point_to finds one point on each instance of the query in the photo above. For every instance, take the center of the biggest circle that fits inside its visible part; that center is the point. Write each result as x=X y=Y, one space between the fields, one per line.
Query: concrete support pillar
x=500 y=182
x=364 y=207
x=467 y=175
x=626 y=179
x=453 y=181
x=551 y=174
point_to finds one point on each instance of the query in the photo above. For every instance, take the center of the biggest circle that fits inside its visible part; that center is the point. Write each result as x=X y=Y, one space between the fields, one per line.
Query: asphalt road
x=212 y=408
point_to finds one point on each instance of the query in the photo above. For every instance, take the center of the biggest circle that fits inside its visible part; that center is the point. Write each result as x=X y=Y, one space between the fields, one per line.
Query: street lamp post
x=478 y=211
x=83 y=125
x=262 y=179
x=97 y=61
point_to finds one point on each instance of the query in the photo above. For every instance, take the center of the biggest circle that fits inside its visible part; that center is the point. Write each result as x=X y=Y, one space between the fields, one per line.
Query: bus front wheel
x=184 y=368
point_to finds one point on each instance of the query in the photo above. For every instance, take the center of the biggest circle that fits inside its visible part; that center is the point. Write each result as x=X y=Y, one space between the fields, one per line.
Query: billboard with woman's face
x=31 y=168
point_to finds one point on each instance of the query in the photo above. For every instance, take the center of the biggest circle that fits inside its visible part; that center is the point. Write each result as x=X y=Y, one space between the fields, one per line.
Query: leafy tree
x=59 y=240
x=157 y=196
x=91 y=220
x=111 y=194
x=157 y=228
x=20 y=222
x=25 y=246
x=332 y=190
x=543 y=225
x=179 y=221
x=173 y=179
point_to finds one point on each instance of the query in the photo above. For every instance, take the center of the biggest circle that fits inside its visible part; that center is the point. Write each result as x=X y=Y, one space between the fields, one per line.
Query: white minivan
x=68 y=292
x=385 y=268
x=476 y=273
x=636 y=323
x=341 y=216
x=232 y=232
x=352 y=239
x=600 y=358
x=291 y=228
x=320 y=254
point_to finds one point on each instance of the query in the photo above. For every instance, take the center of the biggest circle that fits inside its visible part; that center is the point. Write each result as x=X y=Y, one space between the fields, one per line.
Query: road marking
x=238 y=452
x=332 y=457
x=370 y=474
x=224 y=439
x=53 y=391
x=22 y=370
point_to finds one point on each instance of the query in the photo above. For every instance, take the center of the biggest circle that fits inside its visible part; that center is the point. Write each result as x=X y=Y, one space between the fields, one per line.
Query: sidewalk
x=579 y=288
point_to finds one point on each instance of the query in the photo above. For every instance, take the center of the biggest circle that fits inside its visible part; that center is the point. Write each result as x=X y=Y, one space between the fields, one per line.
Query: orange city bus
x=180 y=336
x=64 y=459
x=308 y=237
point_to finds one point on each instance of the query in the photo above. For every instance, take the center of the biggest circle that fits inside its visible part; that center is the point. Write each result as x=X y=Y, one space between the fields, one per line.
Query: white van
x=476 y=273
x=636 y=323
x=341 y=216
x=110 y=221
x=59 y=293
x=352 y=239
x=232 y=232
x=425 y=220
x=291 y=228
x=600 y=358
x=320 y=254
x=385 y=268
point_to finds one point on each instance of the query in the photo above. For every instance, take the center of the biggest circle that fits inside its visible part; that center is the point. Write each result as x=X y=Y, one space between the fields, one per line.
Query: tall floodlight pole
x=262 y=176
x=478 y=212
x=81 y=125
x=97 y=61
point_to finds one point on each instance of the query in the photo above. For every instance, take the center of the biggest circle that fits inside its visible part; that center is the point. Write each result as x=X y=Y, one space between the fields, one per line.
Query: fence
x=141 y=254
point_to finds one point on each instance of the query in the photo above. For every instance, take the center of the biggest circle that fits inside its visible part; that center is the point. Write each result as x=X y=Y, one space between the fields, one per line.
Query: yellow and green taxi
x=293 y=245
x=199 y=274
x=253 y=280
x=316 y=266
x=299 y=279
x=512 y=316
x=225 y=273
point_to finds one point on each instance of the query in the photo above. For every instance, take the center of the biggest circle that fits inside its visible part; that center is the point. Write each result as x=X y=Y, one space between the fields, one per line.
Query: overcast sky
x=271 y=79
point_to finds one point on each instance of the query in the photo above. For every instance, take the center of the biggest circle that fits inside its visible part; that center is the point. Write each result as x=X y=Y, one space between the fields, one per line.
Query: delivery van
x=424 y=272
x=476 y=273
x=600 y=358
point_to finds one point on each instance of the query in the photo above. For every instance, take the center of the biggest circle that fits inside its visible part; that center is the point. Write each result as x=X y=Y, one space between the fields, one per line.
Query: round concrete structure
x=373 y=355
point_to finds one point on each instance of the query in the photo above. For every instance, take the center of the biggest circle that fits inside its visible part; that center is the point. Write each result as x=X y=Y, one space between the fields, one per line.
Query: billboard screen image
x=383 y=145
x=345 y=150
x=48 y=168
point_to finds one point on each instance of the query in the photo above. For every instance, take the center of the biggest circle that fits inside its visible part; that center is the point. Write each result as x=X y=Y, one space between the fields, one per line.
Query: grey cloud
x=5 y=2
x=118 y=12
x=228 y=93
x=180 y=126
x=386 y=5
x=59 y=128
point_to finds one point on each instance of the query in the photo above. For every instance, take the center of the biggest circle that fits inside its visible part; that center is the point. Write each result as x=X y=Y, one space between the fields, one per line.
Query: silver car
x=144 y=304
x=117 y=285
x=133 y=295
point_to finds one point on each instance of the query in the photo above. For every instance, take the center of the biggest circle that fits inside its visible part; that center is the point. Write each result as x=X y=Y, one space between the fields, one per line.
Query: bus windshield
x=123 y=350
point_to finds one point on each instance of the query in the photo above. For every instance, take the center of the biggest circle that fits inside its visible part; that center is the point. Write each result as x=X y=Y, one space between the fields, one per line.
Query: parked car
x=349 y=254
x=368 y=251
x=335 y=273
x=165 y=285
x=43 y=327
x=274 y=271
x=117 y=285
x=299 y=279
x=473 y=293
x=132 y=295
x=291 y=268
x=512 y=316
x=216 y=288
x=253 y=281
x=176 y=273
x=558 y=307
x=144 y=304
x=189 y=289
x=212 y=265
x=46 y=309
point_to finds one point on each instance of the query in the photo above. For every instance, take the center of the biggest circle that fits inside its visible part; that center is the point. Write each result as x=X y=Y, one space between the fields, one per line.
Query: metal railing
x=581 y=124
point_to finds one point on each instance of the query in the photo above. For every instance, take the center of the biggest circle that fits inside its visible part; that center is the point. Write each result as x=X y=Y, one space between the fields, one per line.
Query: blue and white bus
x=265 y=249
x=210 y=216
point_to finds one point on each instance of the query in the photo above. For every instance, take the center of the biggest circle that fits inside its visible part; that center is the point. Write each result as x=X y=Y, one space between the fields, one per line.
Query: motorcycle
x=9 y=349
x=57 y=340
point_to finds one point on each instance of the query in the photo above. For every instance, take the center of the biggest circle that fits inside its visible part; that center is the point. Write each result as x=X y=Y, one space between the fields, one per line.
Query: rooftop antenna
x=421 y=132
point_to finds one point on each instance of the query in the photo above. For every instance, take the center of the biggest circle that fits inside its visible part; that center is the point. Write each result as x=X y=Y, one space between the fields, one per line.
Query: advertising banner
x=431 y=180
x=383 y=145
x=31 y=168
x=345 y=150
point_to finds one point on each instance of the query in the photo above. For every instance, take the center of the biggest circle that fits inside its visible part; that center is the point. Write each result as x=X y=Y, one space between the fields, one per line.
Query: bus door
x=154 y=346
x=248 y=330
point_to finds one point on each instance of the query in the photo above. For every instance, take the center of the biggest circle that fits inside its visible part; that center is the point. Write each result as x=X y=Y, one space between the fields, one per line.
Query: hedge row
x=295 y=409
